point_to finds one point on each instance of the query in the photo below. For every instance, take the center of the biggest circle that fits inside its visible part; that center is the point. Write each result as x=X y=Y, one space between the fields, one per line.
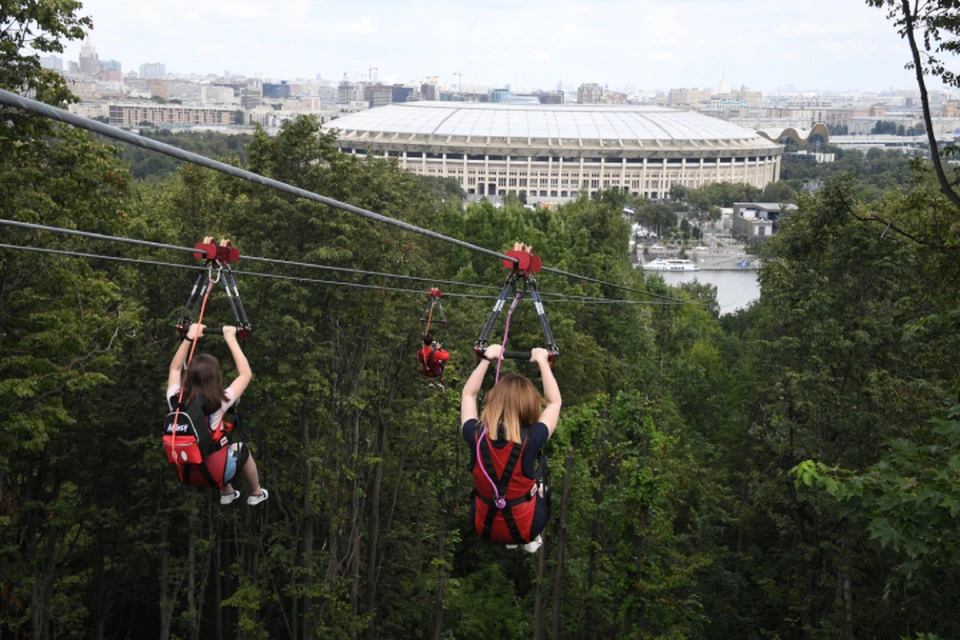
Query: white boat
x=670 y=264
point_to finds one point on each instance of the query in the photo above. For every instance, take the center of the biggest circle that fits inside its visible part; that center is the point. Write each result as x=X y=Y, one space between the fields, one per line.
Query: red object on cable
x=526 y=261
x=205 y=251
x=210 y=251
x=435 y=293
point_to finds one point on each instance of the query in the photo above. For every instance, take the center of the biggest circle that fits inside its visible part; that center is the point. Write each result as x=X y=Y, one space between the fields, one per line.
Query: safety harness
x=498 y=504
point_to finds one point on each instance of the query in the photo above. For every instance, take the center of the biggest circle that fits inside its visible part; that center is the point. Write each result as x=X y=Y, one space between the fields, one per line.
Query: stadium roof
x=568 y=123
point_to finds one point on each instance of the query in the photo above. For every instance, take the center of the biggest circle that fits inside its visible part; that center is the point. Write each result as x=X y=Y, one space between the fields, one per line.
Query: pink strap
x=498 y=500
x=506 y=330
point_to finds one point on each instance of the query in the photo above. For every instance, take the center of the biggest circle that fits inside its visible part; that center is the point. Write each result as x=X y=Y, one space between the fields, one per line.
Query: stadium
x=552 y=153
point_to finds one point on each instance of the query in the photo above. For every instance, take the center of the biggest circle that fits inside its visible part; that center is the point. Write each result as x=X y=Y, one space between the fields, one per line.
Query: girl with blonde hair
x=508 y=505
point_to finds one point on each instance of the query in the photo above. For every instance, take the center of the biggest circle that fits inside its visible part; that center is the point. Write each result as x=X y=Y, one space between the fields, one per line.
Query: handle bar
x=519 y=355
x=242 y=332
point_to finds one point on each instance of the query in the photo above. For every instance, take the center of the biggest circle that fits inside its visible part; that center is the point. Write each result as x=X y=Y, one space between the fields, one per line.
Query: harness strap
x=499 y=503
x=426 y=363
x=429 y=316
x=508 y=519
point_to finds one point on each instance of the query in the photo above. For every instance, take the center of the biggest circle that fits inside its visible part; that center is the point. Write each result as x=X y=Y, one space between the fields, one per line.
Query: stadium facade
x=552 y=153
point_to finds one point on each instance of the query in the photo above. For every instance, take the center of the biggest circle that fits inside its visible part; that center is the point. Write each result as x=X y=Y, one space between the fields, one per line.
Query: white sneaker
x=534 y=545
x=252 y=499
x=227 y=498
x=511 y=546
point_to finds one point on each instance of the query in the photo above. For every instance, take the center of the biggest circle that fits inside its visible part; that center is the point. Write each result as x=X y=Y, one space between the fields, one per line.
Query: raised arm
x=471 y=389
x=551 y=392
x=176 y=365
x=244 y=372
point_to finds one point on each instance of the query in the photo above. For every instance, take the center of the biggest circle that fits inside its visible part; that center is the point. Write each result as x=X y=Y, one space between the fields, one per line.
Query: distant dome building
x=554 y=153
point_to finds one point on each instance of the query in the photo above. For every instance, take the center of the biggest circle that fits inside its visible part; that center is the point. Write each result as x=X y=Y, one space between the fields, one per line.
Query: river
x=735 y=289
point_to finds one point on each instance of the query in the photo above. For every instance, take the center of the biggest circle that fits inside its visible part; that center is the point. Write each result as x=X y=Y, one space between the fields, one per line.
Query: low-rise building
x=132 y=115
x=757 y=221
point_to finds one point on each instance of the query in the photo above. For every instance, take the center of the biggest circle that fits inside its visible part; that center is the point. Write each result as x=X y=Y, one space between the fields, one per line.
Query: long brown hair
x=203 y=377
x=513 y=402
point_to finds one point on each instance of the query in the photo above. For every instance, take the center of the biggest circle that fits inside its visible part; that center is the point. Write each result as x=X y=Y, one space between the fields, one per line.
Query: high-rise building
x=401 y=93
x=54 y=63
x=345 y=91
x=111 y=65
x=589 y=93
x=251 y=95
x=89 y=62
x=428 y=91
x=377 y=95
x=272 y=90
x=153 y=70
x=211 y=94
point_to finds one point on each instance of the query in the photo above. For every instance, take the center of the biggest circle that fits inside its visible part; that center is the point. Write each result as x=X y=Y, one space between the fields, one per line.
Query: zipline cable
x=34 y=106
x=311 y=265
x=562 y=298
x=610 y=284
x=40 y=108
x=160 y=245
x=90 y=234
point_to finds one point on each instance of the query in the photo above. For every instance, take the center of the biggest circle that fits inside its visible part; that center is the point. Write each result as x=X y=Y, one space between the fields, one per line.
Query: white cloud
x=362 y=26
x=646 y=43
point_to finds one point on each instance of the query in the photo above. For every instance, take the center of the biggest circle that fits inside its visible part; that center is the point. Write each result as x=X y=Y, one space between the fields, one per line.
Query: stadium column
x=643 y=180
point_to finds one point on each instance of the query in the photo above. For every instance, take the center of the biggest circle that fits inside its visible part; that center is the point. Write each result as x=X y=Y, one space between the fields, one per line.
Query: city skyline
x=828 y=45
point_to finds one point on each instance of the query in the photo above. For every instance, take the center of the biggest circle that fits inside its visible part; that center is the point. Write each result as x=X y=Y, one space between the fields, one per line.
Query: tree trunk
x=441 y=579
x=538 y=606
x=308 y=525
x=355 y=514
x=561 y=543
x=374 y=528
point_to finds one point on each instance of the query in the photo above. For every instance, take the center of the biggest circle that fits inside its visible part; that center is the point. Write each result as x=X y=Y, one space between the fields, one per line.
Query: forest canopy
x=788 y=471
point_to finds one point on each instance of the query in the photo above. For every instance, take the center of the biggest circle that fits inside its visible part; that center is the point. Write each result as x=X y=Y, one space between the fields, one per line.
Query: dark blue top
x=537 y=436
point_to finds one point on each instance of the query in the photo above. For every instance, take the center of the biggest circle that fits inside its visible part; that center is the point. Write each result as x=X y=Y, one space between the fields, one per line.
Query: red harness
x=431 y=365
x=505 y=515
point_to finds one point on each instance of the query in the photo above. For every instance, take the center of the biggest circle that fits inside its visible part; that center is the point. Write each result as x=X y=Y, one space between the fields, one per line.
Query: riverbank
x=719 y=260
x=719 y=257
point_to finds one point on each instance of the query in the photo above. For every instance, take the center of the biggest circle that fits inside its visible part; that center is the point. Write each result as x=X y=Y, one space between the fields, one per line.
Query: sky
x=528 y=44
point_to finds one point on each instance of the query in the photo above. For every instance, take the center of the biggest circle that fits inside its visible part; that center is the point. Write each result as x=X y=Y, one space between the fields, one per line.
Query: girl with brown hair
x=203 y=377
x=509 y=506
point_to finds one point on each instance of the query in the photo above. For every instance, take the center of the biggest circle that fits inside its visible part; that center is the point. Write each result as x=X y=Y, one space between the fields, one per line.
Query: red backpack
x=199 y=453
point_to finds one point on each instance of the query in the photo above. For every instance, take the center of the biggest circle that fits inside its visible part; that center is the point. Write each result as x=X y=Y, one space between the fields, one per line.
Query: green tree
x=938 y=24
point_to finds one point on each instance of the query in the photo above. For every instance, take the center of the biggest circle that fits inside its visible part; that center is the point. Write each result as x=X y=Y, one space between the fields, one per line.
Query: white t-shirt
x=174 y=390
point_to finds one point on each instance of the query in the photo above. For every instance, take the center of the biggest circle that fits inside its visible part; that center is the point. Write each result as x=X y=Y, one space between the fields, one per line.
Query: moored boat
x=670 y=264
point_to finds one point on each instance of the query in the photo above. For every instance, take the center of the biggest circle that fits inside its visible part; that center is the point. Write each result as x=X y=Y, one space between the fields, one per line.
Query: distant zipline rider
x=431 y=356
x=195 y=431
x=510 y=503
